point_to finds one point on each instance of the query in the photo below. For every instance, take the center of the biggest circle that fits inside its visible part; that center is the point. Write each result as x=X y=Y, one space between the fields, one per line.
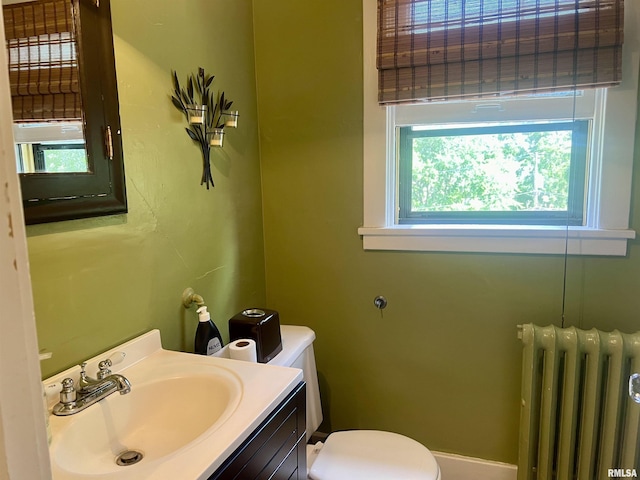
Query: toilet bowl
x=352 y=454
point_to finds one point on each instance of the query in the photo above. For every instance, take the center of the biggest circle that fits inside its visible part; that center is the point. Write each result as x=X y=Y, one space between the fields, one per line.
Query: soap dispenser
x=208 y=339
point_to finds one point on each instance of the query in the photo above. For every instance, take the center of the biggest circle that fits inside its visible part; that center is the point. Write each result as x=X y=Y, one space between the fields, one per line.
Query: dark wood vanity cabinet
x=276 y=450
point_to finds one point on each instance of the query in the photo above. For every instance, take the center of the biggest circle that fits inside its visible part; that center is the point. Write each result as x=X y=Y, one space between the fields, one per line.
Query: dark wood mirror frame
x=66 y=196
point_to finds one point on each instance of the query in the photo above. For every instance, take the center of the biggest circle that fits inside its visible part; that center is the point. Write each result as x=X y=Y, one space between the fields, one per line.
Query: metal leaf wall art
x=206 y=112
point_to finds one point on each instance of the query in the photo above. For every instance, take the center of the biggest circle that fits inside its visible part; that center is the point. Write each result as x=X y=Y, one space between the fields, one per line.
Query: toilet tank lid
x=295 y=339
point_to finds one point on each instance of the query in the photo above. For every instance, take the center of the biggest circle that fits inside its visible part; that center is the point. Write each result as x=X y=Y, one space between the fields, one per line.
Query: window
x=583 y=205
x=55 y=147
x=60 y=157
x=525 y=173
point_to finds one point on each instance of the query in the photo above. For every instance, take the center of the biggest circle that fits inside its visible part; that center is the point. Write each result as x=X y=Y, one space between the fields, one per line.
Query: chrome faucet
x=89 y=390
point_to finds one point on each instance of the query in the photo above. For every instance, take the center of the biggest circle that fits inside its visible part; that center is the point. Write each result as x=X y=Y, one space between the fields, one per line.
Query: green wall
x=442 y=363
x=99 y=282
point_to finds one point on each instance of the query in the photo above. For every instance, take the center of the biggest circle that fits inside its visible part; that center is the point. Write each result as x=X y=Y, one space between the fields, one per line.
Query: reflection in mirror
x=50 y=148
x=43 y=73
x=64 y=99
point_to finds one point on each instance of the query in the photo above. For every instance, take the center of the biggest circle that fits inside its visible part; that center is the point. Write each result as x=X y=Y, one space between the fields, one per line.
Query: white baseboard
x=457 y=467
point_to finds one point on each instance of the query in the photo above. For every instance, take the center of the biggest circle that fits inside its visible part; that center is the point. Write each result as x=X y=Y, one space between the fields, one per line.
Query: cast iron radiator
x=577 y=420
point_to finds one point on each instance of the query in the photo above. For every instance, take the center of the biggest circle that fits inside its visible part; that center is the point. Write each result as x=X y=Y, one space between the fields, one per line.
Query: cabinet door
x=276 y=450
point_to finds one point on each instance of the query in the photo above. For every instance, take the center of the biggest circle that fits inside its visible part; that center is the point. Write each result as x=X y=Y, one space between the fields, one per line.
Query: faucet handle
x=104 y=369
x=68 y=393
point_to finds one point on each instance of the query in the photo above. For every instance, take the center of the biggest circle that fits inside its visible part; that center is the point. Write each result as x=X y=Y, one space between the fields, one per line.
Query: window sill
x=497 y=239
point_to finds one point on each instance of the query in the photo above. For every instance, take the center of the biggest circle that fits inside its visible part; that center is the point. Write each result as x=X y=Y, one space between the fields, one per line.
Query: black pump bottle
x=208 y=339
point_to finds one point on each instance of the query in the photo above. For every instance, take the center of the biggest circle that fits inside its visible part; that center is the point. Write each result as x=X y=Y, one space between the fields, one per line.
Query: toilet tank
x=297 y=352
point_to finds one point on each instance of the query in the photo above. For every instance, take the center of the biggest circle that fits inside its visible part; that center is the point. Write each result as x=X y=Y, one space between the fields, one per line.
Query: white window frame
x=607 y=222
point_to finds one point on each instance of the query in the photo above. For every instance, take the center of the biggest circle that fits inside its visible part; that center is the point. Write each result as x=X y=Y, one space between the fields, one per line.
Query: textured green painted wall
x=442 y=364
x=99 y=282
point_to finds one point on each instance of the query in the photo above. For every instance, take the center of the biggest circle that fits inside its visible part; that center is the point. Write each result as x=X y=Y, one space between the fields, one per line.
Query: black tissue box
x=261 y=325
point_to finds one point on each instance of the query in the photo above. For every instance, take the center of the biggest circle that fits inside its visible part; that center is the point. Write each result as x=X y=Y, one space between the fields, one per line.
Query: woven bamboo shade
x=43 y=70
x=445 y=49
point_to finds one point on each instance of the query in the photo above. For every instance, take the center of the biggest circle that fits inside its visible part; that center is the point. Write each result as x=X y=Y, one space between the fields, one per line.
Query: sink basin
x=184 y=416
x=155 y=419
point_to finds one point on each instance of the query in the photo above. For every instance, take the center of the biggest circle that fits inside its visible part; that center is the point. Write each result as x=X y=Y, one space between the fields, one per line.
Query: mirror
x=65 y=108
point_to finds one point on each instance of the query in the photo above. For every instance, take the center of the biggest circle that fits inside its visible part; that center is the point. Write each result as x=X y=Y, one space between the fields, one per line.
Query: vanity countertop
x=218 y=401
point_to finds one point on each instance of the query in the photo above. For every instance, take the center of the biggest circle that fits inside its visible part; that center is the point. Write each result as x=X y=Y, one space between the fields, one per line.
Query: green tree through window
x=509 y=174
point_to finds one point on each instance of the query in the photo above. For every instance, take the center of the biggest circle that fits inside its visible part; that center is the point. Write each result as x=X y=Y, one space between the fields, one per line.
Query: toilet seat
x=373 y=455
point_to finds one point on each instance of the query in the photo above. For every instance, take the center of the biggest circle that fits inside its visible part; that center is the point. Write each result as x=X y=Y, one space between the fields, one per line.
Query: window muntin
x=518 y=174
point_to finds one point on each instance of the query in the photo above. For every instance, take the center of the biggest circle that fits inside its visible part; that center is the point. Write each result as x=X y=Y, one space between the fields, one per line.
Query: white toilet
x=353 y=454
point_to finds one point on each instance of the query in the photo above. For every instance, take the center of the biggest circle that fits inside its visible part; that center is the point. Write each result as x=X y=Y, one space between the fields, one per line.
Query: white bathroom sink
x=155 y=419
x=184 y=416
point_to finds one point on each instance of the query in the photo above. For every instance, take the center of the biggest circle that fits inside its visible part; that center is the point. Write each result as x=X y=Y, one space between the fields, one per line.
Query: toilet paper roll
x=243 y=349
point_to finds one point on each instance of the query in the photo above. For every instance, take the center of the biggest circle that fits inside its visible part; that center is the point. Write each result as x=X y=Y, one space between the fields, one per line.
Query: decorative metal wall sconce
x=207 y=115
